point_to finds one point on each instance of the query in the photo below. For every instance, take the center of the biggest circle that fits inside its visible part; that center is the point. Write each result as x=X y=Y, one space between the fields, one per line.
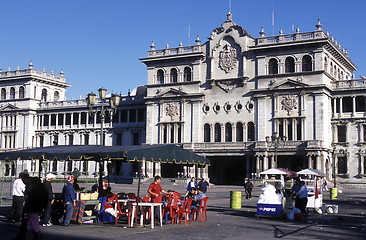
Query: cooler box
x=269 y=209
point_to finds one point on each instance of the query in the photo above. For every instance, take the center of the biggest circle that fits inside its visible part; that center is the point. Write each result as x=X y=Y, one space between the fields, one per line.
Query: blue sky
x=99 y=42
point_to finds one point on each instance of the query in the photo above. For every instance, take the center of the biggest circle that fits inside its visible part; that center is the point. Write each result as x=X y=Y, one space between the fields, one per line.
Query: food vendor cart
x=314 y=180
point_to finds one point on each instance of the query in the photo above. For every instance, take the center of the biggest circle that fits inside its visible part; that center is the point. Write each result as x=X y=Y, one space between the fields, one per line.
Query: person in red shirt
x=155 y=189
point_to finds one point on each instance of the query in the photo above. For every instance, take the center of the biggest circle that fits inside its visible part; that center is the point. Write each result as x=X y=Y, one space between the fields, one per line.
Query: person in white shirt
x=18 y=198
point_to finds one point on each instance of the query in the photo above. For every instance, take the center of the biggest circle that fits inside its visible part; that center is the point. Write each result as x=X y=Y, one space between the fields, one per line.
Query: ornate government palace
x=246 y=103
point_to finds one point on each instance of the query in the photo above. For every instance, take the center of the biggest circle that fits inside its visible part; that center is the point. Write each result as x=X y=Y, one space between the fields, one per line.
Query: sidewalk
x=223 y=222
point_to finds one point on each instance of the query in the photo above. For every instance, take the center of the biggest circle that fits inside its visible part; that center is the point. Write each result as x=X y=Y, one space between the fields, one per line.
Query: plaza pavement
x=223 y=222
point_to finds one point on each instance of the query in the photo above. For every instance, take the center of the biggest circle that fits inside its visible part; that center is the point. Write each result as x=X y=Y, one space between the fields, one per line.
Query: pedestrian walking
x=248 y=187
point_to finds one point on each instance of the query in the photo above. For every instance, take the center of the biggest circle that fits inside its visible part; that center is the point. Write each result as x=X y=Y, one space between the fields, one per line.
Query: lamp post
x=334 y=166
x=105 y=107
x=276 y=140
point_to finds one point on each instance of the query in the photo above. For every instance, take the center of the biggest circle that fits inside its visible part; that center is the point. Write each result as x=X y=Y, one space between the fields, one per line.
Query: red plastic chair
x=201 y=210
x=184 y=211
x=125 y=210
x=172 y=207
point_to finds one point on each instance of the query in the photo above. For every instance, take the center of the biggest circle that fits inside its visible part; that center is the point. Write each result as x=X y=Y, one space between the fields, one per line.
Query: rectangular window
x=347 y=104
x=119 y=139
x=61 y=119
x=342 y=133
x=360 y=104
x=83 y=118
x=141 y=115
x=342 y=165
x=71 y=139
x=41 y=141
x=289 y=129
x=115 y=118
x=53 y=119
x=75 y=118
x=298 y=129
x=45 y=120
x=363 y=133
x=86 y=139
x=55 y=140
x=364 y=165
x=124 y=116
x=132 y=115
x=68 y=119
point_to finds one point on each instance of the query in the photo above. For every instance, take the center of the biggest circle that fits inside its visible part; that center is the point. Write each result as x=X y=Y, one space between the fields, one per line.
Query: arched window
x=239 y=132
x=160 y=76
x=217 y=132
x=207 y=133
x=273 y=66
x=21 y=92
x=12 y=93
x=251 y=131
x=56 y=96
x=173 y=75
x=289 y=65
x=339 y=74
x=307 y=63
x=3 y=94
x=228 y=132
x=187 y=74
x=44 y=95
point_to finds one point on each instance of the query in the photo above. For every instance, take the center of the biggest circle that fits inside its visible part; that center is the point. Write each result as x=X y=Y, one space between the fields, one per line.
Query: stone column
x=353 y=106
x=340 y=106
x=265 y=162
x=310 y=163
x=257 y=167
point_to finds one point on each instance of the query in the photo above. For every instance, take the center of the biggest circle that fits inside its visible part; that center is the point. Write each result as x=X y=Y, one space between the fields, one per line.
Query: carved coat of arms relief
x=172 y=110
x=227 y=58
x=289 y=103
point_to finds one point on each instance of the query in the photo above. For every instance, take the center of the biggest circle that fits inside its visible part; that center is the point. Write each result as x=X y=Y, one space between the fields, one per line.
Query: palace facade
x=248 y=104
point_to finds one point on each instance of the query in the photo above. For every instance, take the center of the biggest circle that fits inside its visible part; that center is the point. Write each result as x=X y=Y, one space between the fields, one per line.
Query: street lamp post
x=105 y=107
x=276 y=140
x=334 y=166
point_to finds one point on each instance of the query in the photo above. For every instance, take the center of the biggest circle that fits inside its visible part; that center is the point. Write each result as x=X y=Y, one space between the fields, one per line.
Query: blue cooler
x=269 y=209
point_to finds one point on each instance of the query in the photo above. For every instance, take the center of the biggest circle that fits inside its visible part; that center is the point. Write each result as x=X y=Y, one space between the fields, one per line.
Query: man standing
x=155 y=189
x=302 y=197
x=203 y=184
x=68 y=194
x=18 y=198
x=47 y=212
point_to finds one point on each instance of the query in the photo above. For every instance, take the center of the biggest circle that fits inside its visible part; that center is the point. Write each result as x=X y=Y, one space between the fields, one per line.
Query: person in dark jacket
x=35 y=203
x=47 y=212
x=68 y=194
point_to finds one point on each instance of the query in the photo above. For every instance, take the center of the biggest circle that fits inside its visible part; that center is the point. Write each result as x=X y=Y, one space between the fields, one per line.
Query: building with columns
x=246 y=103
x=250 y=104
x=35 y=113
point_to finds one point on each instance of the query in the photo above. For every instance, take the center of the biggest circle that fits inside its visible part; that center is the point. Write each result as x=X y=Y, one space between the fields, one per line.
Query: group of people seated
x=157 y=194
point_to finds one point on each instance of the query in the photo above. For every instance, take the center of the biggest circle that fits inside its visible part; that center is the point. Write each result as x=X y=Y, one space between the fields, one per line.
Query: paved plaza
x=223 y=222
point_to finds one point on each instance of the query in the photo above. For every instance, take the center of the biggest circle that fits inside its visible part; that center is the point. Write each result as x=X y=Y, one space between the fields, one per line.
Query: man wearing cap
x=47 y=211
x=68 y=194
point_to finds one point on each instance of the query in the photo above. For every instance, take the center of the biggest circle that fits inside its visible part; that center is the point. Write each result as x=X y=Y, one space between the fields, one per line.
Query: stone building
x=250 y=104
x=35 y=113
x=246 y=103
